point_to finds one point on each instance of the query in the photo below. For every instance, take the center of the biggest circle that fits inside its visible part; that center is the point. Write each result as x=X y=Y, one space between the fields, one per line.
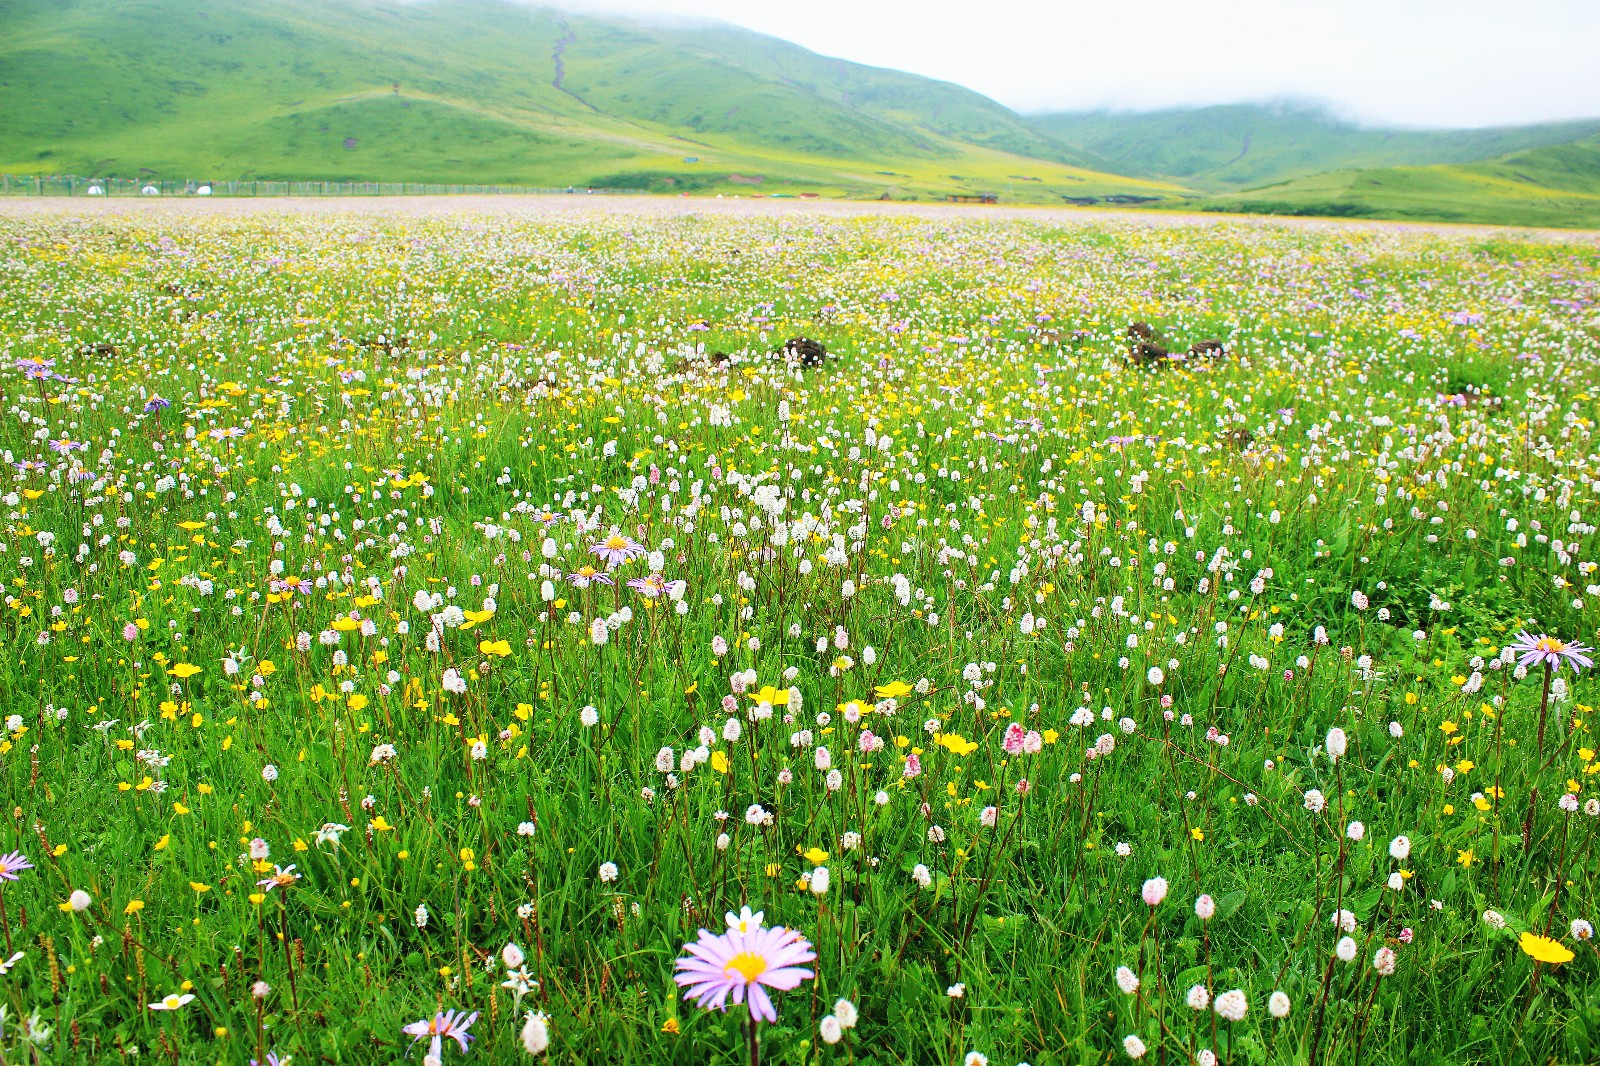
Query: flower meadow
x=459 y=637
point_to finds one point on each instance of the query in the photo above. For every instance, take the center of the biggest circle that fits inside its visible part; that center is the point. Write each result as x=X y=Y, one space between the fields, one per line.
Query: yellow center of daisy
x=616 y=542
x=1549 y=644
x=746 y=964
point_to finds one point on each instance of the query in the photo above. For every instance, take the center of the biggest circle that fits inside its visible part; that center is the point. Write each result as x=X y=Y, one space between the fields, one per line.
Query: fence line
x=72 y=185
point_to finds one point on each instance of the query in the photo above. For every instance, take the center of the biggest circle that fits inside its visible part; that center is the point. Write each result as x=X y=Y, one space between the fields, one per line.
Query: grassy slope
x=1239 y=146
x=305 y=89
x=1557 y=185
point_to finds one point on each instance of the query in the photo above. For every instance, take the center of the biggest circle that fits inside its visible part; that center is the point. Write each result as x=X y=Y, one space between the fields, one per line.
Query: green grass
x=1557 y=186
x=976 y=514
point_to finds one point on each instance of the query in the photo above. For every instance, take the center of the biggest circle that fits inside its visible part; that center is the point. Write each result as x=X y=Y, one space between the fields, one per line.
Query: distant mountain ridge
x=486 y=91
x=1238 y=146
x=491 y=92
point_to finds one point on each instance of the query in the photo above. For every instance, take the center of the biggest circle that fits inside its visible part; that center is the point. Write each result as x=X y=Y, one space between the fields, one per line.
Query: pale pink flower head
x=1154 y=891
x=1015 y=735
x=741 y=967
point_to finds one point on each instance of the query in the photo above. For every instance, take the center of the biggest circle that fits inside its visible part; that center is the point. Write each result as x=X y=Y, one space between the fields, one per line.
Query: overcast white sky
x=1414 y=62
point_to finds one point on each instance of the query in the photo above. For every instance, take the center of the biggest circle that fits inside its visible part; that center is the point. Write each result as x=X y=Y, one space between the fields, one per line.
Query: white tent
x=204 y=190
x=95 y=190
x=149 y=190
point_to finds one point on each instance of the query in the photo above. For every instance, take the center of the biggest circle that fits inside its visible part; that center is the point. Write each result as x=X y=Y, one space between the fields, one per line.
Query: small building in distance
x=972 y=198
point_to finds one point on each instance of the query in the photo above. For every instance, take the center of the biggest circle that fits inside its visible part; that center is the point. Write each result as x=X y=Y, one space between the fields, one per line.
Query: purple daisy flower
x=1549 y=651
x=656 y=586
x=12 y=864
x=281 y=877
x=742 y=966
x=585 y=576
x=452 y=1025
x=617 y=549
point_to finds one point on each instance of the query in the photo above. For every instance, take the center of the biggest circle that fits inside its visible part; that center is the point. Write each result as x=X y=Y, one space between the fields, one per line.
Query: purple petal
x=761 y=1008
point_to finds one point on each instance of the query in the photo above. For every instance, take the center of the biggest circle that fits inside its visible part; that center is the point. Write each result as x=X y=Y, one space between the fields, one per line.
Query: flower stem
x=1544 y=703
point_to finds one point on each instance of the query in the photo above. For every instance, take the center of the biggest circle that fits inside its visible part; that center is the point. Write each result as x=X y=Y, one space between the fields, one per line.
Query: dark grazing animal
x=1142 y=347
x=803 y=350
x=1148 y=347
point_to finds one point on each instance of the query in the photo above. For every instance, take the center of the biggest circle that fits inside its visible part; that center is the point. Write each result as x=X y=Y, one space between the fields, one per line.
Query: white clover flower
x=1127 y=980
x=1231 y=1005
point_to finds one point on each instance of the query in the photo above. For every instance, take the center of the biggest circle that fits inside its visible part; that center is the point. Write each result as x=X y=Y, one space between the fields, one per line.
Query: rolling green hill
x=1244 y=145
x=482 y=91
x=492 y=92
x=1557 y=185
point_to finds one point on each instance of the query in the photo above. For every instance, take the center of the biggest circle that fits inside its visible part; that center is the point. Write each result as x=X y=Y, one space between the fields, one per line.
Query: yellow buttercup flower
x=1543 y=949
